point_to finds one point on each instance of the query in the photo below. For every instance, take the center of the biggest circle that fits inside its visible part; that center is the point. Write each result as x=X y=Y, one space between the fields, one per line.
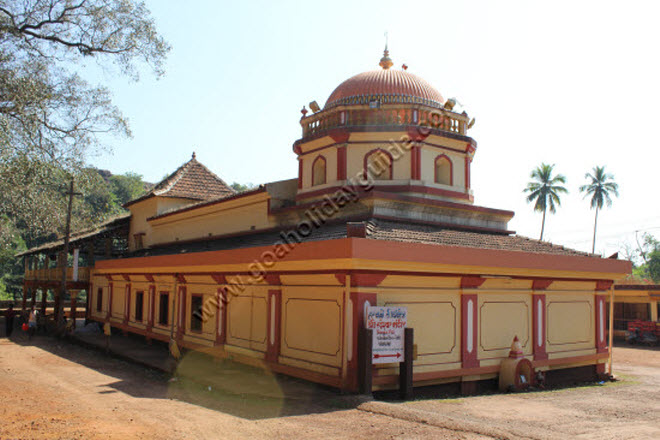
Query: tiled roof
x=416 y=233
x=377 y=229
x=117 y=223
x=192 y=180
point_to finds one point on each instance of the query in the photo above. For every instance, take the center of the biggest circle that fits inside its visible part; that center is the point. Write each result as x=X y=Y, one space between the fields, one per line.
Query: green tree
x=600 y=186
x=50 y=117
x=127 y=187
x=544 y=191
x=241 y=187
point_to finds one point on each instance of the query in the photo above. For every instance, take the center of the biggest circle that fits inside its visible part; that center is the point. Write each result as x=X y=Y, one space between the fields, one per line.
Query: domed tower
x=393 y=126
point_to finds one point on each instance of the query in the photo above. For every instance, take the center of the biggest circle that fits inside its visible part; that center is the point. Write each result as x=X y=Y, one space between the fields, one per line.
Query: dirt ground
x=52 y=389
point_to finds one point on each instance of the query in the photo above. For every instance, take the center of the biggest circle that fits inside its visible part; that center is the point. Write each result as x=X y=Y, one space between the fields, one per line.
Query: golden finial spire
x=386 y=62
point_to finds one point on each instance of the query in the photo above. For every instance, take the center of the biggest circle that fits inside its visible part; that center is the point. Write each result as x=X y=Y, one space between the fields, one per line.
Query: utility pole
x=67 y=232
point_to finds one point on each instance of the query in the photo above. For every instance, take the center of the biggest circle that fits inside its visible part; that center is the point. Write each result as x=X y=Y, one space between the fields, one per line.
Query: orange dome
x=387 y=86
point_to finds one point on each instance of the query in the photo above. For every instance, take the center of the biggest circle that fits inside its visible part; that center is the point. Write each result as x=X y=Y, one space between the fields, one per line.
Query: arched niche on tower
x=319 y=171
x=443 y=170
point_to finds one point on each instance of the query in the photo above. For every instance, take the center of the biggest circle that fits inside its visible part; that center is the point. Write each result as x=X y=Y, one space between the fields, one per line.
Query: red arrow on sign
x=398 y=355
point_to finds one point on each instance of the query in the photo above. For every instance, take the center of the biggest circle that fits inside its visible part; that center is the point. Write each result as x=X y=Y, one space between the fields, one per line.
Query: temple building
x=382 y=213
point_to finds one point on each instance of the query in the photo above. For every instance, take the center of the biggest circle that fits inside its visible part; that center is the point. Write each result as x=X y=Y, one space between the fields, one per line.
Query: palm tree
x=544 y=190
x=600 y=187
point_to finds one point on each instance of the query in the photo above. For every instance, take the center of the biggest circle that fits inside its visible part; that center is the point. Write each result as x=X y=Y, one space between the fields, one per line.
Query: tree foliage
x=51 y=119
x=544 y=190
x=601 y=185
x=241 y=187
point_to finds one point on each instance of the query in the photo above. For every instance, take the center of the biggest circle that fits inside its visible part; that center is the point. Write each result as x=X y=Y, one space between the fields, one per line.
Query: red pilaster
x=539 y=326
x=415 y=162
x=469 y=330
x=152 y=307
x=341 y=163
x=182 y=312
x=358 y=300
x=300 y=173
x=467 y=172
x=221 y=316
x=110 y=290
x=601 y=330
x=127 y=303
x=274 y=325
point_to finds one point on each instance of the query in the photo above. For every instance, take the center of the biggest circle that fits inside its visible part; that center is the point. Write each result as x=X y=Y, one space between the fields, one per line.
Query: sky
x=570 y=83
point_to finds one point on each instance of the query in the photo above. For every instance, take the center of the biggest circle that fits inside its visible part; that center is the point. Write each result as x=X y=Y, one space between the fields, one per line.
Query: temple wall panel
x=501 y=318
x=435 y=316
x=118 y=300
x=570 y=322
x=312 y=324
x=247 y=318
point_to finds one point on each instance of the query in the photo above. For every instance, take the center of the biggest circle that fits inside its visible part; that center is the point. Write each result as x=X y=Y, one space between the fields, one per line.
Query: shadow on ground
x=222 y=385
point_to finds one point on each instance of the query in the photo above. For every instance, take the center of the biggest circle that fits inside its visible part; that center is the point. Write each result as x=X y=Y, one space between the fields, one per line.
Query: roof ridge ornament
x=386 y=62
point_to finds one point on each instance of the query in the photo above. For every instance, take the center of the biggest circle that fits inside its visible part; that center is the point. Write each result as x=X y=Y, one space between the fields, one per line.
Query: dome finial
x=386 y=62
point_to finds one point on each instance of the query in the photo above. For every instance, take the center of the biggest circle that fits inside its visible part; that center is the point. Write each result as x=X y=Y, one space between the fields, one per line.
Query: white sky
x=571 y=83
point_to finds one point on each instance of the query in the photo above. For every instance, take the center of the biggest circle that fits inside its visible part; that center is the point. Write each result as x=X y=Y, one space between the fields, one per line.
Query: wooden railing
x=318 y=123
x=55 y=274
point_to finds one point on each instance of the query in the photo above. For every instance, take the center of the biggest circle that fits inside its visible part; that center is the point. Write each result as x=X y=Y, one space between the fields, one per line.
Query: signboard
x=388 y=324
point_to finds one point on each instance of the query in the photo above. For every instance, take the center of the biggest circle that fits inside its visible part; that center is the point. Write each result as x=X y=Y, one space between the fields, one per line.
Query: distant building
x=381 y=212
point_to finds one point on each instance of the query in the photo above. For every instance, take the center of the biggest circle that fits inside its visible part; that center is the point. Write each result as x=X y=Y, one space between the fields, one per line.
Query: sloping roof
x=417 y=233
x=192 y=180
x=377 y=229
x=111 y=225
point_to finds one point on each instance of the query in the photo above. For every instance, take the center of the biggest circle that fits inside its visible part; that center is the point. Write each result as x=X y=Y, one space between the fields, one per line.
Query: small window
x=196 y=313
x=318 y=171
x=99 y=299
x=139 y=242
x=443 y=170
x=139 y=305
x=378 y=165
x=164 y=308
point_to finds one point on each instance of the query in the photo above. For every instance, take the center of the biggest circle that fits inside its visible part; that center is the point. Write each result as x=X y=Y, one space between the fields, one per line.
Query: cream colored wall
x=145 y=209
x=165 y=204
x=330 y=155
x=355 y=154
x=570 y=322
x=312 y=325
x=139 y=213
x=428 y=156
x=503 y=316
x=118 y=298
x=238 y=215
x=207 y=292
x=247 y=318
x=435 y=316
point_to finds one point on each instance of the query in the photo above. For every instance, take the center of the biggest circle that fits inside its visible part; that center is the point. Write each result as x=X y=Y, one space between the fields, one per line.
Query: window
x=443 y=170
x=139 y=305
x=196 y=313
x=139 y=242
x=99 y=299
x=378 y=165
x=164 y=308
x=318 y=171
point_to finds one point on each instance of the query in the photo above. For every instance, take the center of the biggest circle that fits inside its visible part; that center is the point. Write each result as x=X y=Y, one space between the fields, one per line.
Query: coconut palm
x=544 y=190
x=600 y=186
